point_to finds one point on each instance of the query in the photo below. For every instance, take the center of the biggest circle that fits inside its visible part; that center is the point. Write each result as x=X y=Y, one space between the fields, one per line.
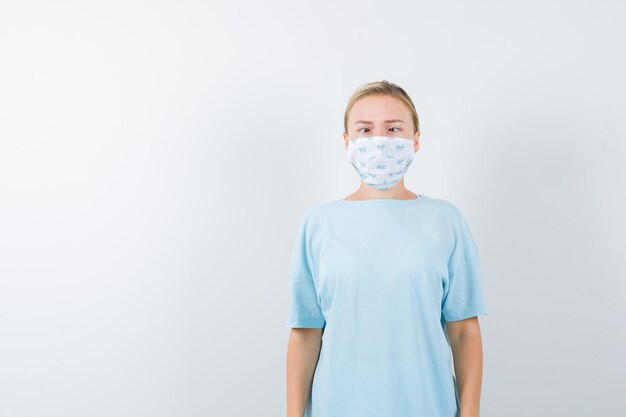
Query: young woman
x=385 y=285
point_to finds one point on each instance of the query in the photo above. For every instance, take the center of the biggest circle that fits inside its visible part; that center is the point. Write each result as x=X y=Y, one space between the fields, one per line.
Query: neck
x=398 y=192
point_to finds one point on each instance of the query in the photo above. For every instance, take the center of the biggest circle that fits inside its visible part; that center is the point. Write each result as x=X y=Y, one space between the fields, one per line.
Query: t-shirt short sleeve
x=304 y=307
x=463 y=289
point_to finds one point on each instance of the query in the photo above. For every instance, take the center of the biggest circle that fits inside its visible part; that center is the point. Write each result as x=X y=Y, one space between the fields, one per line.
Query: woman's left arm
x=467 y=350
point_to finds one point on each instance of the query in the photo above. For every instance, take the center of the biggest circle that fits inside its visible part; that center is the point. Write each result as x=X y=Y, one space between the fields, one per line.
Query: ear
x=345 y=140
x=416 y=141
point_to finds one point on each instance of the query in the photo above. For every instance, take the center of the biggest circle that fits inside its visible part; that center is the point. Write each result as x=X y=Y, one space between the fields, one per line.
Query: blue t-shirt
x=382 y=277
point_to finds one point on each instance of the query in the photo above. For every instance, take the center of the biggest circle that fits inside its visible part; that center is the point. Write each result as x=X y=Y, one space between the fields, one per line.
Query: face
x=380 y=115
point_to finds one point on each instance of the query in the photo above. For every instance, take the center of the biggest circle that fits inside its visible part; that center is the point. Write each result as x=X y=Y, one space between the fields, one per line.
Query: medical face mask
x=381 y=161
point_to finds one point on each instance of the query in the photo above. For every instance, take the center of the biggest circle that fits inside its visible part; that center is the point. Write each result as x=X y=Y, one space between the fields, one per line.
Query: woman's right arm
x=302 y=355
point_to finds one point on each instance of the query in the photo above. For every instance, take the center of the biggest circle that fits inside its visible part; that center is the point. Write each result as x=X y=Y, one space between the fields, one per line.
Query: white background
x=155 y=158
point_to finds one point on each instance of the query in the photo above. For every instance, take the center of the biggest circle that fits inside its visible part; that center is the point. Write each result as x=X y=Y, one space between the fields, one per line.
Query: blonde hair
x=381 y=87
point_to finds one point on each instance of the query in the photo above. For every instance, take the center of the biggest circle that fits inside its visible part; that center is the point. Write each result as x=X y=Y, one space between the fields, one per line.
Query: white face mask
x=381 y=161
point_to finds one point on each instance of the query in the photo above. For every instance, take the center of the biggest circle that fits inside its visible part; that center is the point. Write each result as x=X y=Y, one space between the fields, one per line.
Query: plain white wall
x=155 y=158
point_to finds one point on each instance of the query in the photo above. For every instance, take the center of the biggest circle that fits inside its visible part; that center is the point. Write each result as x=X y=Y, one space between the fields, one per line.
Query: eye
x=362 y=129
x=395 y=128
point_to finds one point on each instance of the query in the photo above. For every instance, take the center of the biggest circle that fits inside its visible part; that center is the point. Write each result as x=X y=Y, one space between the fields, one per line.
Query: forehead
x=381 y=107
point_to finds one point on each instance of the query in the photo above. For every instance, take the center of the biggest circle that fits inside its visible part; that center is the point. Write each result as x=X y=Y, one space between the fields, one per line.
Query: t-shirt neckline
x=382 y=201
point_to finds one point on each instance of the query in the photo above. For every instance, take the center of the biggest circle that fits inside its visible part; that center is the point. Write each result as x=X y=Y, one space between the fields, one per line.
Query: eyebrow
x=367 y=122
